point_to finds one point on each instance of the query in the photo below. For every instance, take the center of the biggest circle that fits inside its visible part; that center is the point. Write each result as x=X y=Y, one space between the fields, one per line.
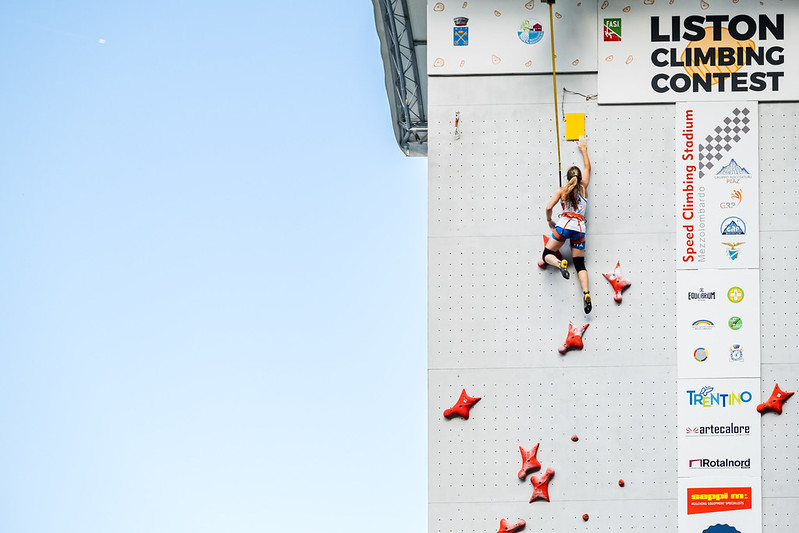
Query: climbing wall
x=496 y=320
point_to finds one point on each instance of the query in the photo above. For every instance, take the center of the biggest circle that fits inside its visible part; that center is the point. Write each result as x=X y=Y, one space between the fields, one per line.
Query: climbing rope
x=555 y=92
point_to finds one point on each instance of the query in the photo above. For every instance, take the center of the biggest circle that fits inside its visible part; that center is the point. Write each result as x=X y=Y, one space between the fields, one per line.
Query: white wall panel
x=497 y=177
x=490 y=305
x=609 y=409
x=496 y=319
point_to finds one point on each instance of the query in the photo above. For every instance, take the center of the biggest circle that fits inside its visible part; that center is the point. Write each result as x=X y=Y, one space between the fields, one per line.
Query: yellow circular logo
x=735 y=294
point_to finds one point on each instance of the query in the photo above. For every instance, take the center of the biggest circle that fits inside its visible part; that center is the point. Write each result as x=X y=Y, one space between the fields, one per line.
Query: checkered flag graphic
x=726 y=135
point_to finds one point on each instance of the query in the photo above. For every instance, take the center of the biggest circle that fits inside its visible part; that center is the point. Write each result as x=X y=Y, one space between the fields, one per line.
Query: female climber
x=573 y=200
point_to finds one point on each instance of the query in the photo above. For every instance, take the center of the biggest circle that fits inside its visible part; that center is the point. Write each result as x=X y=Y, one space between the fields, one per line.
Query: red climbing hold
x=505 y=528
x=541 y=486
x=574 y=339
x=541 y=263
x=529 y=462
x=462 y=406
x=575 y=438
x=774 y=402
x=618 y=282
x=621 y=483
x=585 y=517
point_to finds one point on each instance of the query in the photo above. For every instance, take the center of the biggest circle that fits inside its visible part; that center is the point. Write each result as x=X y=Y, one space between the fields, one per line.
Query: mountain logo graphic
x=733 y=226
x=733 y=170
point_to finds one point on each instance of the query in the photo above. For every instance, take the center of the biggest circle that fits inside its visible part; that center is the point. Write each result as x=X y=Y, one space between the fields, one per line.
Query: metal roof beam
x=411 y=116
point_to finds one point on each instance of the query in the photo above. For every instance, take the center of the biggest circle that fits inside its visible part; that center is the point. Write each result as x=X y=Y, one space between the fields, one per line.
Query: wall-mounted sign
x=698 y=51
x=712 y=308
x=509 y=37
x=717 y=166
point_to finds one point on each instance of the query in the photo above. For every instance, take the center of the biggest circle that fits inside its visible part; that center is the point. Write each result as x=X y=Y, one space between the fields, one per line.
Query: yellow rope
x=555 y=92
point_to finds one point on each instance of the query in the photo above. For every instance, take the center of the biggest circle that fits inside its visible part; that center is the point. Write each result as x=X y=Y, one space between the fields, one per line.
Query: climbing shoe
x=586 y=302
x=563 y=271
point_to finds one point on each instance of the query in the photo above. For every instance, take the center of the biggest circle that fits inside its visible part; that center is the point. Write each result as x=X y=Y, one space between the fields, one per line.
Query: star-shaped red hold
x=774 y=402
x=541 y=262
x=618 y=282
x=541 y=486
x=462 y=406
x=529 y=462
x=574 y=339
x=504 y=527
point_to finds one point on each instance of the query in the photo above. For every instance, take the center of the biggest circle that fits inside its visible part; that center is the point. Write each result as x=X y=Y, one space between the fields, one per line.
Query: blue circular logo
x=733 y=226
x=721 y=528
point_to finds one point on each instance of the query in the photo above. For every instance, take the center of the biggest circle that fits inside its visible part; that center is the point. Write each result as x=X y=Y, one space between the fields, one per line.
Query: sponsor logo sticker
x=735 y=295
x=719 y=464
x=735 y=323
x=612 y=30
x=702 y=325
x=729 y=430
x=530 y=31
x=733 y=173
x=736 y=353
x=701 y=295
x=701 y=354
x=460 y=35
x=721 y=528
x=708 y=397
x=733 y=226
x=733 y=252
x=718 y=499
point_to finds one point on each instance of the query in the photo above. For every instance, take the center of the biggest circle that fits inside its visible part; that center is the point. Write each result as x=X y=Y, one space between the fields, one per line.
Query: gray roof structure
x=402 y=28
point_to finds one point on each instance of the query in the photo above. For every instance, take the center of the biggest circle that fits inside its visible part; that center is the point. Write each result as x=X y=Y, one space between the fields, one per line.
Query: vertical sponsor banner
x=717 y=185
x=719 y=428
x=718 y=317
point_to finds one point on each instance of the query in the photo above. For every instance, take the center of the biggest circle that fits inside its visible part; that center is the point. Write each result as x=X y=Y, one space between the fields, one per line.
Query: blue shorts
x=576 y=238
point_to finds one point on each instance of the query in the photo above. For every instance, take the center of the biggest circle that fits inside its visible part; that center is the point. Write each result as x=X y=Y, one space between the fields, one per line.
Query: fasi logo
x=718 y=499
x=612 y=31
x=707 y=398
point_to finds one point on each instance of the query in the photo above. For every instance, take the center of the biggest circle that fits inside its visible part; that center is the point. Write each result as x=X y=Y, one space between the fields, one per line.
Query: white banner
x=509 y=37
x=719 y=428
x=667 y=51
x=715 y=505
x=718 y=323
x=717 y=169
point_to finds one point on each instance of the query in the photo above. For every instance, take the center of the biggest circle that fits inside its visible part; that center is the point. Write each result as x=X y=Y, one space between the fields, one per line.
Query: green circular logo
x=735 y=323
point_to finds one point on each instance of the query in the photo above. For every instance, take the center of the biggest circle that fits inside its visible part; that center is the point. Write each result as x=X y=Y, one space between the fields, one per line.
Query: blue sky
x=212 y=272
